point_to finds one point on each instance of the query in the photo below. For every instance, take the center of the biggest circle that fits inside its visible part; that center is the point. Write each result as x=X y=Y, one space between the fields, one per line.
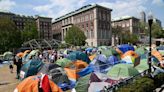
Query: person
x=18 y=63
x=11 y=68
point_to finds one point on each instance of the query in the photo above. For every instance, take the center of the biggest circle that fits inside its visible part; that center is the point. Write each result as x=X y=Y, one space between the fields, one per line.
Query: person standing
x=18 y=63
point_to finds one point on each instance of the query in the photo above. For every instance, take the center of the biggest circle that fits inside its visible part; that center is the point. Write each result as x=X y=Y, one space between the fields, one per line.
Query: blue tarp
x=126 y=47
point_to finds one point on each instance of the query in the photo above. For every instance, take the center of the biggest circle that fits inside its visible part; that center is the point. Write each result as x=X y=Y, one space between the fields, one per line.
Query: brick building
x=93 y=20
x=43 y=23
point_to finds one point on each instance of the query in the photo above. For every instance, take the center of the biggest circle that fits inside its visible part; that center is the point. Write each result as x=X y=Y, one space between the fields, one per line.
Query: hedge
x=143 y=84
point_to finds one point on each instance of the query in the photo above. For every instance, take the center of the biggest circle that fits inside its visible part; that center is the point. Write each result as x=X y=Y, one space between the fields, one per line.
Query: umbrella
x=63 y=62
x=142 y=66
x=122 y=71
x=7 y=55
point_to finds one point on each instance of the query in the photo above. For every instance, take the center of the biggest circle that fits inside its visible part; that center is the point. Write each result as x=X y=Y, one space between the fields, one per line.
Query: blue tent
x=77 y=55
x=126 y=47
x=31 y=68
x=89 y=69
x=112 y=60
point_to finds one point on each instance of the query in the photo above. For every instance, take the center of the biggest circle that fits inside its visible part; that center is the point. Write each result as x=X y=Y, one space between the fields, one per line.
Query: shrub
x=159 y=80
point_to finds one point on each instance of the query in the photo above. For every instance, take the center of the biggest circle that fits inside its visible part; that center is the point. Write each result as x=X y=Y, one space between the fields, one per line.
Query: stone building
x=93 y=20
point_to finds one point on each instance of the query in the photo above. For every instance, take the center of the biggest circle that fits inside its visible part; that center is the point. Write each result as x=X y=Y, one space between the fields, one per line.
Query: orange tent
x=157 y=54
x=20 y=54
x=92 y=57
x=72 y=75
x=25 y=52
x=31 y=84
x=77 y=65
x=130 y=53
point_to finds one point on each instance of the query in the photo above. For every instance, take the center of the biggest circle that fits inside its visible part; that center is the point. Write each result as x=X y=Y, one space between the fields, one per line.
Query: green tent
x=142 y=66
x=34 y=52
x=109 y=52
x=63 y=62
x=122 y=71
x=8 y=55
x=83 y=83
x=140 y=51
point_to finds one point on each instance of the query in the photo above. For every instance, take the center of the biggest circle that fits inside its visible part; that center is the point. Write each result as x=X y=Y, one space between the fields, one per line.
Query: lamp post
x=150 y=22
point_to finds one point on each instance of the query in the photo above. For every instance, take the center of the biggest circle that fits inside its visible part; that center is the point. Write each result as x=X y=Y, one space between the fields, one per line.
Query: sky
x=57 y=8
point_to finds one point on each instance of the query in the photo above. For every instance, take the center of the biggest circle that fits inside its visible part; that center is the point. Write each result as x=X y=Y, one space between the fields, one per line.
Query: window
x=87 y=25
x=86 y=17
x=92 y=33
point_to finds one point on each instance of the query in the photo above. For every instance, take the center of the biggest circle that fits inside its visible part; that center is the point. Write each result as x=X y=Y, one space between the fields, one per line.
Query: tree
x=117 y=32
x=157 y=31
x=143 y=27
x=30 y=31
x=75 y=36
x=9 y=35
x=127 y=37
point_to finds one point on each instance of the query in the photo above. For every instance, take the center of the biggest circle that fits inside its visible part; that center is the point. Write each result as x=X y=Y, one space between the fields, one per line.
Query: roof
x=82 y=9
x=123 y=18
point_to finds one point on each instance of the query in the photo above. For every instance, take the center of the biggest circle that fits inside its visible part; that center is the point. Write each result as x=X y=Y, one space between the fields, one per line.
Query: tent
x=77 y=55
x=130 y=53
x=20 y=54
x=30 y=68
x=121 y=71
x=77 y=65
x=125 y=47
x=63 y=62
x=100 y=63
x=25 y=52
x=8 y=55
x=32 y=84
x=142 y=66
x=56 y=74
x=33 y=53
x=157 y=54
x=112 y=60
x=92 y=57
x=140 y=51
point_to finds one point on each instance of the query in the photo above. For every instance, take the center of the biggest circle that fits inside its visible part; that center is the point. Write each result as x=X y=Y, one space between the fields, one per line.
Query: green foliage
x=9 y=35
x=157 y=31
x=143 y=27
x=129 y=38
x=30 y=31
x=143 y=84
x=75 y=36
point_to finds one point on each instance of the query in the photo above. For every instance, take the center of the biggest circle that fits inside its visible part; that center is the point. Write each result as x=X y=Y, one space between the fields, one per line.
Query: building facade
x=43 y=23
x=143 y=17
x=93 y=20
x=127 y=23
x=44 y=27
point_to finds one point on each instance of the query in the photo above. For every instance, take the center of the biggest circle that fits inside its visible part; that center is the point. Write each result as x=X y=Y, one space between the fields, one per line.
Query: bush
x=159 y=80
x=143 y=84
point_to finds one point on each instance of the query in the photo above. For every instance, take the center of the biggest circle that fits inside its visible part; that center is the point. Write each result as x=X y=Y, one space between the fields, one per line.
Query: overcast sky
x=56 y=8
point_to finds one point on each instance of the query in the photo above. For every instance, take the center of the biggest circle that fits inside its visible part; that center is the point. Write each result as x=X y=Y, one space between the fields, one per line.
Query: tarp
x=125 y=47
x=121 y=71
x=89 y=69
x=77 y=55
x=63 y=62
x=30 y=68
x=31 y=84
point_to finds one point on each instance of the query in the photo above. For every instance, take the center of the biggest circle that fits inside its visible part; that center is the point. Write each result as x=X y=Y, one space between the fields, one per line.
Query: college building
x=94 y=20
x=43 y=23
